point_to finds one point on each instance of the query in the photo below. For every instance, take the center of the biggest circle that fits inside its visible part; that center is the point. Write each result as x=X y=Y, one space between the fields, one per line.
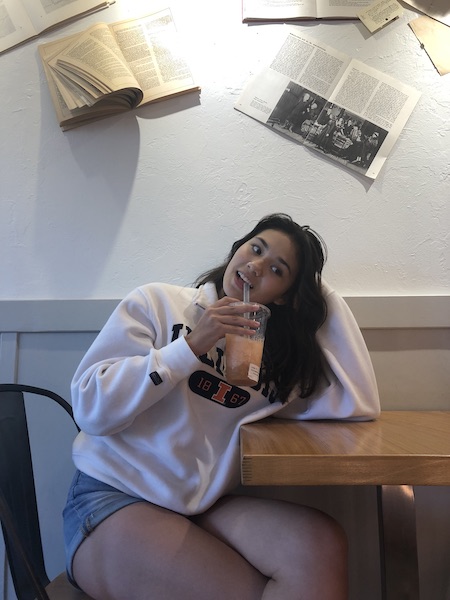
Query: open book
x=21 y=20
x=109 y=69
x=296 y=10
x=336 y=105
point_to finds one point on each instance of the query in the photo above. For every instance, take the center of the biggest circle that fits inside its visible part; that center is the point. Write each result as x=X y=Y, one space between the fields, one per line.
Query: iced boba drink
x=243 y=354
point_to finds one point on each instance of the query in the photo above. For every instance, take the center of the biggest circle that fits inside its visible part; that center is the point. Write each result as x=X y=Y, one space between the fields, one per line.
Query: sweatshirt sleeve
x=128 y=368
x=348 y=389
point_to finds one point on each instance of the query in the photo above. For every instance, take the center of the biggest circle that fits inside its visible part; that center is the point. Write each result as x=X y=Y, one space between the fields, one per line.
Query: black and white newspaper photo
x=323 y=99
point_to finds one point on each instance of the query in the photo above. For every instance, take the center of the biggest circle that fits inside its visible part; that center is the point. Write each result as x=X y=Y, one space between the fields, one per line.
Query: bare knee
x=315 y=556
x=314 y=534
x=328 y=538
x=296 y=547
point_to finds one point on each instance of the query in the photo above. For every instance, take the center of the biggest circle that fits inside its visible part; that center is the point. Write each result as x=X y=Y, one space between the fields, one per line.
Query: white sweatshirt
x=161 y=424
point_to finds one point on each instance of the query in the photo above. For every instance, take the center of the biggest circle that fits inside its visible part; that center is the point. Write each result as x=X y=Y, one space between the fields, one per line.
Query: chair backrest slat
x=18 y=489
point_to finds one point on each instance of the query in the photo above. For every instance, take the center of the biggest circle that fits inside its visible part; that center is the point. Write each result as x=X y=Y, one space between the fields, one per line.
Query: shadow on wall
x=67 y=225
x=100 y=160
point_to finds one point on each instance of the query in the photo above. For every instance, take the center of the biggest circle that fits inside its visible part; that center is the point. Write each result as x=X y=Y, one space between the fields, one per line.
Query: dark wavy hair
x=292 y=355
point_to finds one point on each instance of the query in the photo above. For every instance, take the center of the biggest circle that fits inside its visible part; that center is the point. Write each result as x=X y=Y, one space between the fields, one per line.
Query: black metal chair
x=18 y=504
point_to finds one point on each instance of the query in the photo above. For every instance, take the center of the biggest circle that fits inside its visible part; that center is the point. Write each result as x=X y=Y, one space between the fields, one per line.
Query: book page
x=15 y=25
x=64 y=105
x=94 y=57
x=21 y=20
x=435 y=39
x=346 y=9
x=276 y=10
x=68 y=113
x=47 y=13
x=380 y=13
x=323 y=99
x=437 y=9
x=114 y=67
x=154 y=54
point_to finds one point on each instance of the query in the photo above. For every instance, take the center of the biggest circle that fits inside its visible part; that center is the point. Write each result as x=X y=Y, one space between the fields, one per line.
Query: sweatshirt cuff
x=175 y=361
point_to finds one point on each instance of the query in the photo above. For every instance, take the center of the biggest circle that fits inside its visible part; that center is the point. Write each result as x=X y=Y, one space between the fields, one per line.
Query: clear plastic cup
x=243 y=353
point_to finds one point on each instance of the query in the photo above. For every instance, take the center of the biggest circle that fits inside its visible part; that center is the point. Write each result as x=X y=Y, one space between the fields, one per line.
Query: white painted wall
x=161 y=193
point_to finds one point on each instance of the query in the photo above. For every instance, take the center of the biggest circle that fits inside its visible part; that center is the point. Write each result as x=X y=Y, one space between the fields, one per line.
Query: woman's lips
x=239 y=282
x=244 y=279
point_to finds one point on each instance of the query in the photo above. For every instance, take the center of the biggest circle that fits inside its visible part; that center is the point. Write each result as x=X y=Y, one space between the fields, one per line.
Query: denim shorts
x=89 y=502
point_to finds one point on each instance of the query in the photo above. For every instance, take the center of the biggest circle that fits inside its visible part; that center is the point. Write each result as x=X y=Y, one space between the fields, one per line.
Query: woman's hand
x=217 y=320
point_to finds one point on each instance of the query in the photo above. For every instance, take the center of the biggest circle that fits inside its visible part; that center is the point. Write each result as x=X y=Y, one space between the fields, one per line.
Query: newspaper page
x=325 y=100
x=21 y=20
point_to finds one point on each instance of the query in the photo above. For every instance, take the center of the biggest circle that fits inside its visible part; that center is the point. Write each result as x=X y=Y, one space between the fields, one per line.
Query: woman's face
x=268 y=262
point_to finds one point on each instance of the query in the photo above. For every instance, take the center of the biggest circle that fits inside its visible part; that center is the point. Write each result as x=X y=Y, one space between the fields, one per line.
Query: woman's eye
x=256 y=249
x=277 y=271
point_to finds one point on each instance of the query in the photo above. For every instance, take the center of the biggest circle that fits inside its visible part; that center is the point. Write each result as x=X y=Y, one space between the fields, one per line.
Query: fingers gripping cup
x=243 y=354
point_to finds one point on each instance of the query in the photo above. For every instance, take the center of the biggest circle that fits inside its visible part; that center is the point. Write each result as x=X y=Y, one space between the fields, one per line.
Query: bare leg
x=144 y=552
x=241 y=548
x=302 y=551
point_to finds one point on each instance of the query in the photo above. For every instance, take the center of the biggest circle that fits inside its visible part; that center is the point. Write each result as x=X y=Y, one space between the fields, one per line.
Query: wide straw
x=246 y=298
x=246 y=293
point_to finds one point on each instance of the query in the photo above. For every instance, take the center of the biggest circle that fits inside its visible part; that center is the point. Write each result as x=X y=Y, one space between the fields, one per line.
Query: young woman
x=151 y=514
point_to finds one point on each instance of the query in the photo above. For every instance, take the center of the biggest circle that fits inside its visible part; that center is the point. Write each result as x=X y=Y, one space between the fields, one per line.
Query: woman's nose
x=256 y=267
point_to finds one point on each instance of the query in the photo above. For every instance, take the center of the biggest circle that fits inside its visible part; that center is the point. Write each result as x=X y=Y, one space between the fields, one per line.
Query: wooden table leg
x=398 y=543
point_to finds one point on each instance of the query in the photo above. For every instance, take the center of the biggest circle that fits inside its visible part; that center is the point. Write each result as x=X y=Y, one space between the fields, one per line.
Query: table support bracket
x=398 y=542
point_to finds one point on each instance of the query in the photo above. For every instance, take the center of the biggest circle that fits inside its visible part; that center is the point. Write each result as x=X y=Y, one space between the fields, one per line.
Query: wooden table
x=399 y=450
